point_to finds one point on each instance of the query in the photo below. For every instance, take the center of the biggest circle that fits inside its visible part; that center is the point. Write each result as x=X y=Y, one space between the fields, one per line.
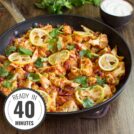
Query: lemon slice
x=82 y=94
x=58 y=57
x=97 y=94
x=108 y=62
x=38 y=37
x=78 y=97
x=19 y=59
x=46 y=97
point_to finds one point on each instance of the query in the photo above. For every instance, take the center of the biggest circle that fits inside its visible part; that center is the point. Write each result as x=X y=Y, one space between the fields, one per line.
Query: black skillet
x=75 y=22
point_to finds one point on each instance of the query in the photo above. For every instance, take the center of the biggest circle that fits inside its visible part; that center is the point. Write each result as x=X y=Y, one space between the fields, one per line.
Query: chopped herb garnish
x=54 y=42
x=10 y=76
x=59 y=43
x=25 y=51
x=9 y=50
x=55 y=32
x=87 y=103
x=82 y=80
x=39 y=62
x=6 y=63
x=52 y=48
x=3 y=72
x=70 y=47
x=88 y=54
x=100 y=81
x=7 y=84
x=34 y=77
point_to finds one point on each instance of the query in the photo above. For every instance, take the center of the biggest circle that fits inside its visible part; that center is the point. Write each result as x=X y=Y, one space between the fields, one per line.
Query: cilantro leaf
x=52 y=47
x=9 y=50
x=96 y=2
x=34 y=77
x=57 y=6
x=54 y=41
x=87 y=103
x=86 y=53
x=100 y=81
x=70 y=47
x=39 y=62
x=59 y=43
x=55 y=32
x=25 y=51
x=7 y=84
x=3 y=72
x=10 y=76
x=81 y=80
x=6 y=63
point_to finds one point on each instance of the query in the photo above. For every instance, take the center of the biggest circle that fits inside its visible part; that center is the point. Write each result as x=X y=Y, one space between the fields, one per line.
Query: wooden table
x=120 y=118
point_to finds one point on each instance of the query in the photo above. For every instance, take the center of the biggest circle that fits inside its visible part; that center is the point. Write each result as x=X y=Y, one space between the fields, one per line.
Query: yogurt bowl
x=116 y=13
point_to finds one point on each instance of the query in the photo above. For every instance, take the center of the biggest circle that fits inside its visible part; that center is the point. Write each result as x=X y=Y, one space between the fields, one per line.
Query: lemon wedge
x=19 y=59
x=108 y=62
x=46 y=97
x=38 y=37
x=58 y=57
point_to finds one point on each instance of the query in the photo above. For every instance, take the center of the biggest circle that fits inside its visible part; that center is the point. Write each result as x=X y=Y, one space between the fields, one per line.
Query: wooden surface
x=120 y=118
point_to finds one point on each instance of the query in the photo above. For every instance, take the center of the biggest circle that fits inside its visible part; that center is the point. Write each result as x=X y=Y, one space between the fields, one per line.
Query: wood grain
x=120 y=118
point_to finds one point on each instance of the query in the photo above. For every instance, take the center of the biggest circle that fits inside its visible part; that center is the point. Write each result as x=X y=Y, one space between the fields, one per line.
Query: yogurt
x=117 y=7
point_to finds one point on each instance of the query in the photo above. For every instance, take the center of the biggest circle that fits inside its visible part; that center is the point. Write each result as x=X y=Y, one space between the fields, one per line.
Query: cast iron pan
x=76 y=22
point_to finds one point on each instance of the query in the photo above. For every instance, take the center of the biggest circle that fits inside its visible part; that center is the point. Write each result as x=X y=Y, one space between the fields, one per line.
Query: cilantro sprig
x=39 y=62
x=57 y=6
x=100 y=81
x=88 y=54
x=34 y=77
x=25 y=51
x=7 y=84
x=82 y=80
x=55 y=42
x=3 y=72
x=87 y=103
x=9 y=50
x=70 y=47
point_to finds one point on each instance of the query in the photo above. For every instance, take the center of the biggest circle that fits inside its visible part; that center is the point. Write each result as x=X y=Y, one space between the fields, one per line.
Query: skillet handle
x=13 y=10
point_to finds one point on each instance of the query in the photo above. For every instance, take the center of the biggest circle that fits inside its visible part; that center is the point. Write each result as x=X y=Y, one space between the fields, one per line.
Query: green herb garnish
x=55 y=32
x=87 y=54
x=82 y=80
x=10 y=76
x=39 y=62
x=33 y=77
x=100 y=81
x=57 y=6
x=54 y=41
x=54 y=6
x=9 y=50
x=6 y=63
x=25 y=51
x=70 y=47
x=3 y=72
x=59 y=43
x=7 y=84
x=87 y=103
